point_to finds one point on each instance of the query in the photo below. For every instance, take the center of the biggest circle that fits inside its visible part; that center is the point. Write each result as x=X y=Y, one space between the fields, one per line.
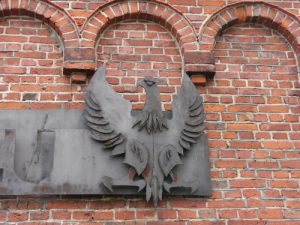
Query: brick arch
x=48 y=12
x=252 y=12
x=55 y=17
x=155 y=11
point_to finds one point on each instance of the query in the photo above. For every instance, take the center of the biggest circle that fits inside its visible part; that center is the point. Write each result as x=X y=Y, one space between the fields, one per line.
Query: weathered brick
x=42 y=215
x=226 y=204
x=125 y=215
x=66 y=204
x=231 y=164
x=247 y=183
x=167 y=214
x=241 y=126
x=18 y=216
x=61 y=215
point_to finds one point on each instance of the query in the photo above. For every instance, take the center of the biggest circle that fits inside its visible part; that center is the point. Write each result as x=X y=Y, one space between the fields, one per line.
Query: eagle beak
x=158 y=81
x=140 y=83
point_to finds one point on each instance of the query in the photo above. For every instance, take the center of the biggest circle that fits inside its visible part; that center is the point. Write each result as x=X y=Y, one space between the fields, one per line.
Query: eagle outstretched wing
x=187 y=123
x=107 y=114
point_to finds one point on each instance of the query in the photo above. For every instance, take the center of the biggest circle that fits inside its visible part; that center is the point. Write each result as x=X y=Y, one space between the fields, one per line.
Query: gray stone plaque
x=107 y=148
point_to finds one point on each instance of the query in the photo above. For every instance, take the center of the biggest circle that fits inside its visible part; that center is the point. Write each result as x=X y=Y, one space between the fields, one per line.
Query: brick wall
x=49 y=48
x=134 y=49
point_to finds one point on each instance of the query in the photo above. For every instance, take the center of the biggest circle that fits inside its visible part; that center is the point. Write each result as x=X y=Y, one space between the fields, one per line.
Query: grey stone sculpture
x=148 y=152
x=152 y=145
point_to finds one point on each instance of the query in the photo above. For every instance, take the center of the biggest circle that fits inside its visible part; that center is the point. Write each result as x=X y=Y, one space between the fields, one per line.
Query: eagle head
x=148 y=82
x=151 y=117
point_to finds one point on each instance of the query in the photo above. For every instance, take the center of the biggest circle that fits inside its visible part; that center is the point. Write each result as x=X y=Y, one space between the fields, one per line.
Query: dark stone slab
x=52 y=152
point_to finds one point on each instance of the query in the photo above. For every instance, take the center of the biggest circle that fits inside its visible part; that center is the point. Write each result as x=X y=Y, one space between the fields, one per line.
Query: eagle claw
x=193 y=185
x=109 y=182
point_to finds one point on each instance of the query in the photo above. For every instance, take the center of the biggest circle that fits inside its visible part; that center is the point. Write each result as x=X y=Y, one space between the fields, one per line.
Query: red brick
x=214 y=108
x=167 y=214
x=8 y=38
x=145 y=214
x=149 y=222
x=66 y=204
x=278 y=145
x=114 y=204
x=241 y=126
x=247 y=183
x=247 y=214
x=3 y=216
x=281 y=174
x=264 y=174
x=288 y=214
x=226 y=204
x=274 y=109
x=231 y=164
x=18 y=216
x=291 y=193
x=124 y=215
x=293 y=204
x=187 y=2
x=246 y=222
x=275 y=127
x=264 y=203
x=284 y=184
x=39 y=215
x=200 y=79
x=143 y=204
x=270 y=214
x=103 y=215
x=83 y=215
x=292 y=164
x=78 y=78
x=251 y=193
x=13 y=105
x=227 y=214
x=187 y=214
x=272 y=193
x=263 y=164
x=61 y=215
x=33 y=55
x=45 y=71
x=186 y=203
x=233 y=194
x=245 y=145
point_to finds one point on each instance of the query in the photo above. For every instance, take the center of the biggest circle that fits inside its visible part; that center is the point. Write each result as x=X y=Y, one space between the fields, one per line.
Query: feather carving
x=100 y=128
x=188 y=116
x=136 y=156
x=168 y=159
x=102 y=116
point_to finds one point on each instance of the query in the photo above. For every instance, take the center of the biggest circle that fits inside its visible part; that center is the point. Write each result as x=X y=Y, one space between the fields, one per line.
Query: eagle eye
x=149 y=82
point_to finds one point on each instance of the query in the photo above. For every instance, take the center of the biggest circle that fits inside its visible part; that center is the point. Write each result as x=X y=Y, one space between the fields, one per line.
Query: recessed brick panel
x=31 y=67
x=133 y=49
x=252 y=134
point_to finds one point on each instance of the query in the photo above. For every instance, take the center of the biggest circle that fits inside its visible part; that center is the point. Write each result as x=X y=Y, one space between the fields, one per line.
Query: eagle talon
x=109 y=182
x=193 y=185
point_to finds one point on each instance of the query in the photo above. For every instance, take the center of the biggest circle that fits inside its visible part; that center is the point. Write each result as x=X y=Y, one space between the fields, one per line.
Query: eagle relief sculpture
x=152 y=145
